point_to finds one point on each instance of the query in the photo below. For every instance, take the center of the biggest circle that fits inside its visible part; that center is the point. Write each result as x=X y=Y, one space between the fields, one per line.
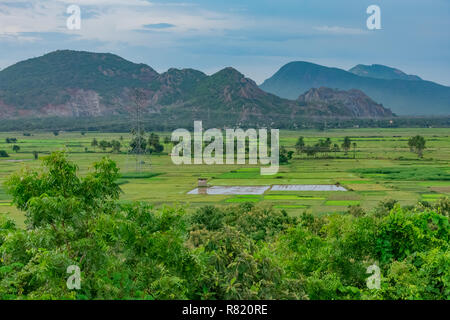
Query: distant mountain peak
x=386 y=85
x=379 y=71
x=228 y=72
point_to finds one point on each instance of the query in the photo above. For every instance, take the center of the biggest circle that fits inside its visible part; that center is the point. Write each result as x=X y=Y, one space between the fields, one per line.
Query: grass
x=290 y=197
x=409 y=173
x=342 y=203
x=291 y=207
x=139 y=175
x=240 y=200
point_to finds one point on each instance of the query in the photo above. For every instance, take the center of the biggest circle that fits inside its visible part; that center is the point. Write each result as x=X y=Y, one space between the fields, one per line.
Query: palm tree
x=300 y=145
x=346 y=144
x=335 y=149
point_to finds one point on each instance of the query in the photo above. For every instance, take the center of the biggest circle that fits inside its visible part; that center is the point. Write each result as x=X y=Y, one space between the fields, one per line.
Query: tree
x=3 y=154
x=323 y=146
x=138 y=143
x=56 y=133
x=285 y=155
x=153 y=144
x=94 y=143
x=335 y=149
x=310 y=151
x=104 y=144
x=354 y=150
x=36 y=155
x=16 y=148
x=300 y=145
x=417 y=145
x=346 y=145
x=116 y=146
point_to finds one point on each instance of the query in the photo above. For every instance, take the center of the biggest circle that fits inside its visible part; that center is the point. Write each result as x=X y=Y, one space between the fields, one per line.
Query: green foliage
x=285 y=155
x=417 y=145
x=346 y=144
x=299 y=145
x=404 y=232
x=16 y=148
x=154 y=145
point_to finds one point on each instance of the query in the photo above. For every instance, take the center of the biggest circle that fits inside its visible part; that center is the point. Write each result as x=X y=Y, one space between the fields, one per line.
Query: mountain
x=69 y=83
x=403 y=97
x=379 y=71
x=85 y=85
x=352 y=103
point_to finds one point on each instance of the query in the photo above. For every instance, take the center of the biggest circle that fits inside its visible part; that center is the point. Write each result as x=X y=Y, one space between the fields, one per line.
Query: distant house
x=202 y=182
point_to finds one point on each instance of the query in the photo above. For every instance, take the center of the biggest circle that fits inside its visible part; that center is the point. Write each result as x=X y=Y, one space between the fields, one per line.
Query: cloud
x=340 y=30
x=115 y=20
x=159 y=26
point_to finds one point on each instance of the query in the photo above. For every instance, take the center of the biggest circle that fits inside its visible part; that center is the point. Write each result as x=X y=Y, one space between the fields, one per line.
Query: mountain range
x=403 y=94
x=84 y=84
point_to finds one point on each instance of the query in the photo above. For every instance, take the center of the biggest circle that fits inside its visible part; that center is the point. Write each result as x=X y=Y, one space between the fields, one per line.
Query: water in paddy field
x=243 y=190
x=307 y=187
x=230 y=190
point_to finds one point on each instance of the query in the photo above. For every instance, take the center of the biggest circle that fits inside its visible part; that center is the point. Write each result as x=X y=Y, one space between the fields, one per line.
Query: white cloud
x=340 y=30
x=115 y=20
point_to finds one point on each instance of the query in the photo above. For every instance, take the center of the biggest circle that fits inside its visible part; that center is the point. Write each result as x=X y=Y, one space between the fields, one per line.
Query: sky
x=257 y=37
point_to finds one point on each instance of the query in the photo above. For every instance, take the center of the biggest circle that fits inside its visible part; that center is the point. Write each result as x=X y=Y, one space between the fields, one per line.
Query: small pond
x=230 y=190
x=307 y=187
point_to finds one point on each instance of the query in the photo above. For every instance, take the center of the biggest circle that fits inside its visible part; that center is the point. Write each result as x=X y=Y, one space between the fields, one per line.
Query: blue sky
x=255 y=37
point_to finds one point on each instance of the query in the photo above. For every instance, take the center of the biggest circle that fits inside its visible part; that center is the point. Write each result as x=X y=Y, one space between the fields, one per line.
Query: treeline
x=140 y=143
x=132 y=251
x=169 y=122
x=324 y=146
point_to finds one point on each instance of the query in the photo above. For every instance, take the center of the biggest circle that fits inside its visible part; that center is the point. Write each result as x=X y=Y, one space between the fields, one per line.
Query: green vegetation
x=342 y=203
x=417 y=144
x=129 y=250
x=409 y=173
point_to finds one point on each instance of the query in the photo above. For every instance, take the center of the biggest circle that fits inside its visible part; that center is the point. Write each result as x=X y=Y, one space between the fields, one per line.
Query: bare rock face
x=353 y=103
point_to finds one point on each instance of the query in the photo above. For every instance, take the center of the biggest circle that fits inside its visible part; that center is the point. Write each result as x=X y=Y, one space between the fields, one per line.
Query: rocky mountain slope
x=351 y=103
x=379 y=71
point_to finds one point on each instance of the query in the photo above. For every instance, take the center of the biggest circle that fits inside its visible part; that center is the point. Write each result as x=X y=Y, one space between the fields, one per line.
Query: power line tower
x=137 y=131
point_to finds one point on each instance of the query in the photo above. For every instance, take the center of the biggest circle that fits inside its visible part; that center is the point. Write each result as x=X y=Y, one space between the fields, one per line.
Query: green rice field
x=383 y=168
